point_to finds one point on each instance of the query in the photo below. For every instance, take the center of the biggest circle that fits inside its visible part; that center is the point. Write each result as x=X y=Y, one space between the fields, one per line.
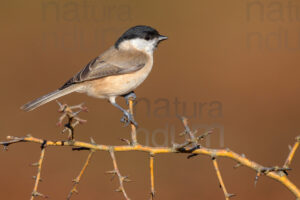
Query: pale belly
x=116 y=85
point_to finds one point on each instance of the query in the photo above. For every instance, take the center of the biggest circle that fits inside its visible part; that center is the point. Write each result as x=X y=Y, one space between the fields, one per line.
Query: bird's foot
x=128 y=119
x=130 y=96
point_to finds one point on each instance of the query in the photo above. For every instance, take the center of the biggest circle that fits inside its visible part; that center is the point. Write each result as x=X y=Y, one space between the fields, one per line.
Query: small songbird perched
x=116 y=72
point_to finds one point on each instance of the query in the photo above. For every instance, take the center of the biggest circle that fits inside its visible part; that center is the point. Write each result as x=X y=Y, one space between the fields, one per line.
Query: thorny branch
x=116 y=171
x=222 y=185
x=191 y=147
x=292 y=153
x=72 y=117
x=37 y=178
x=192 y=139
x=78 y=178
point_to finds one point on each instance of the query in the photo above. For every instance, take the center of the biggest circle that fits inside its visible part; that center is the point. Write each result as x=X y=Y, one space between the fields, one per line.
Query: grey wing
x=100 y=67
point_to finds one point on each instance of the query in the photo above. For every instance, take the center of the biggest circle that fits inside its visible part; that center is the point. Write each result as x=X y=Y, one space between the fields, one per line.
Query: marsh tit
x=116 y=72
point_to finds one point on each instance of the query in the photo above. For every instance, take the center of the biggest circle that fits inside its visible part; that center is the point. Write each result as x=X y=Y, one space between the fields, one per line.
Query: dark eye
x=147 y=37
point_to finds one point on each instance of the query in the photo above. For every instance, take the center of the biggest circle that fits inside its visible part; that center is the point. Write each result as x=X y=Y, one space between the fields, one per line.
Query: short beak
x=161 y=38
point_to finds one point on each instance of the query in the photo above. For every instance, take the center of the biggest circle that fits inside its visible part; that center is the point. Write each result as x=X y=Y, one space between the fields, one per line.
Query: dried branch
x=78 y=178
x=72 y=117
x=192 y=141
x=227 y=153
x=191 y=147
x=116 y=171
x=12 y=140
x=37 y=178
x=133 y=127
x=222 y=185
x=152 y=176
x=292 y=153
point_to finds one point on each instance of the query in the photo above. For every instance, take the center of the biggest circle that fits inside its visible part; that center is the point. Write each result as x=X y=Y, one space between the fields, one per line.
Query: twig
x=227 y=153
x=72 y=117
x=266 y=170
x=256 y=178
x=192 y=141
x=133 y=127
x=152 y=176
x=78 y=178
x=12 y=140
x=116 y=171
x=192 y=138
x=35 y=193
x=190 y=146
x=292 y=153
x=222 y=185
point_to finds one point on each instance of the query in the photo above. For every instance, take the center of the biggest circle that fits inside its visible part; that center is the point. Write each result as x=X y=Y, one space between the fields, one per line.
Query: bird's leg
x=129 y=96
x=127 y=117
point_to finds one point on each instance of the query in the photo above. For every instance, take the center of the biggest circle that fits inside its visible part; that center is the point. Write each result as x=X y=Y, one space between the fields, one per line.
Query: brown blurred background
x=232 y=65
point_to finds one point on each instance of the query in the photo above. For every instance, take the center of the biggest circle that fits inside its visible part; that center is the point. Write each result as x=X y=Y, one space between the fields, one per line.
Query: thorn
x=84 y=108
x=34 y=177
x=122 y=178
x=230 y=195
x=152 y=194
x=111 y=172
x=237 y=165
x=119 y=189
x=182 y=133
x=174 y=145
x=113 y=176
x=182 y=118
x=256 y=178
x=127 y=180
x=76 y=181
x=126 y=141
x=76 y=113
x=194 y=132
x=5 y=147
x=290 y=147
x=75 y=191
x=37 y=194
x=81 y=121
x=92 y=140
x=59 y=104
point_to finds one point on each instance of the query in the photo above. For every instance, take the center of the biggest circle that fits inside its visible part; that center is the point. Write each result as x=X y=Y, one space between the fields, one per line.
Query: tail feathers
x=47 y=98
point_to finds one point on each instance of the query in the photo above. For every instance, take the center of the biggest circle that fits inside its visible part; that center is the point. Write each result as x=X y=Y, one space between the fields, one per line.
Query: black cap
x=141 y=31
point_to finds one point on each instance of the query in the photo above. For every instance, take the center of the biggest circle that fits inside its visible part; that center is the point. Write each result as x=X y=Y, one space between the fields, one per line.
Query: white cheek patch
x=144 y=45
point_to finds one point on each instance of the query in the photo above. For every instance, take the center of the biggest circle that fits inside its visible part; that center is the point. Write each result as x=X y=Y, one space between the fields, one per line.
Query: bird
x=118 y=71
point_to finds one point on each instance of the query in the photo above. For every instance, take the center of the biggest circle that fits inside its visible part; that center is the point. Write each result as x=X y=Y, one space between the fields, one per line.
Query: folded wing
x=113 y=62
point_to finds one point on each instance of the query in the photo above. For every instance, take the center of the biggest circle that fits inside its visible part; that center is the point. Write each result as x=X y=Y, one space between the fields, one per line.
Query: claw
x=128 y=118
